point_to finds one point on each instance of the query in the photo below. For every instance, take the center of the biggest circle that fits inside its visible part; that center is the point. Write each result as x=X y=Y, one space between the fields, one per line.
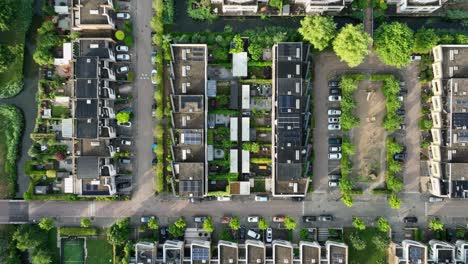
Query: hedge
x=260 y=160
x=78 y=231
x=257 y=81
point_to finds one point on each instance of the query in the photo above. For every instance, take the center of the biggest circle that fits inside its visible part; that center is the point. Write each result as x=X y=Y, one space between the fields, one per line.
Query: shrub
x=394 y=201
x=436 y=225
x=383 y=224
x=358 y=223
x=235 y=223
x=357 y=242
x=425 y=124
x=78 y=231
x=153 y=223
x=238 y=45
x=381 y=243
x=128 y=40
x=85 y=222
x=262 y=224
x=119 y=35
x=347 y=200
x=46 y=223
x=260 y=161
x=289 y=223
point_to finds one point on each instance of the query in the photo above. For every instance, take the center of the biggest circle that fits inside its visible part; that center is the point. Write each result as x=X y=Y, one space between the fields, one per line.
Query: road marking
x=425 y=208
x=303 y=207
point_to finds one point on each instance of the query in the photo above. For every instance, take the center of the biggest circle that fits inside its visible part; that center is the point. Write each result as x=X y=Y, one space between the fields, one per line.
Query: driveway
x=328 y=67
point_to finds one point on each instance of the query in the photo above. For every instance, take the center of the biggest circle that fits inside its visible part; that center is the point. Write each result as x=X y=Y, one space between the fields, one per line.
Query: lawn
x=11 y=127
x=60 y=111
x=52 y=245
x=369 y=255
x=11 y=81
x=72 y=251
x=98 y=251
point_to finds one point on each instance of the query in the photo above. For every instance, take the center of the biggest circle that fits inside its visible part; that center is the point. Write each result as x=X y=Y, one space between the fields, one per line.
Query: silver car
x=269 y=235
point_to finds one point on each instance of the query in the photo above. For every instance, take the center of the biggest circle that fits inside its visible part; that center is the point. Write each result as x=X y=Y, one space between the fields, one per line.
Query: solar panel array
x=200 y=254
x=191 y=187
x=192 y=138
x=460 y=119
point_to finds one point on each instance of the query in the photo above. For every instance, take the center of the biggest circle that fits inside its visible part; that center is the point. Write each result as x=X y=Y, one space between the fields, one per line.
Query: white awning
x=245 y=161
x=245 y=128
x=245 y=96
x=68 y=185
x=67 y=128
x=234 y=126
x=233 y=158
x=239 y=64
x=67 y=55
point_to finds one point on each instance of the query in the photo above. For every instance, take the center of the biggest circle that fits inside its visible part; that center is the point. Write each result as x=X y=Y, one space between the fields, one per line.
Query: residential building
x=321 y=6
x=290 y=119
x=310 y=252
x=145 y=252
x=448 y=159
x=282 y=252
x=93 y=118
x=228 y=252
x=441 y=252
x=200 y=252
x=461 y=255
x=255 y=252
x=410 y=252
x=337 y=253
x=417 y=6
x=189 y=118
x=173 y=252
x=93 y=15
x=237 y=6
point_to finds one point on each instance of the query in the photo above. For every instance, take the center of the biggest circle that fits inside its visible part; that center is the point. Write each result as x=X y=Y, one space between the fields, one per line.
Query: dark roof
x=194 y=187
x=87 y=167
x=87 y=128
x=95 y=48
x=86 y=108
x=86 y=67
x=86 y=88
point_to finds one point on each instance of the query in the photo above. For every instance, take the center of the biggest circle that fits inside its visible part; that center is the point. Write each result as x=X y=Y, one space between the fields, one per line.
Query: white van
x=253 y=234
x=224 y=198
x=259 y=198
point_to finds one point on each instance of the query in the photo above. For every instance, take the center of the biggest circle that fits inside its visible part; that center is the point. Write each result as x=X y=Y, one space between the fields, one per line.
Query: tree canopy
x=394 y=201
x=177 y=229
x=118 y=233
x=29 y=236
x=6 y=57
x=46 y=223
x=318 y=30
x=394 y=44
x=123 y=117
x=6 y=14
x=359 y=224
x=436 y=225
x=153 y=223
x=383 y=224
x=289 y=223
x=351 y=44
x=208 y=225
x=235 y=223
x=424 y=40
x=262 y=224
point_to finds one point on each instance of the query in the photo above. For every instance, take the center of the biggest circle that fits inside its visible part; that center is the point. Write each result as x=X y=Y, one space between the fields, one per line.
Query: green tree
x=357 y=242
x=6 y=57
x=153 y=223
x=234 y=223
x=436 y=225
x=46 y=223
x=380 y=242
x=178 y=228
x=351 y=44
x=276 y=3
x=120 y=35
x=29 y=236
x=425 y=124
x=123 y=117
x=424 y=40
x=318 y=30
x=208 y=225
x=251 y=146
x=394 y=184
x=347 y=199
x=118 y=233
x=289 y=223
x=6 y=14
x=394 y=201
x=359 y=224
x=255 y=51
x=393 y=147
x=41 y=256
x=383 y=224
x=85 y=222
x=238 y=45
x=394 y=44
x=346 y=185
x=262 y=224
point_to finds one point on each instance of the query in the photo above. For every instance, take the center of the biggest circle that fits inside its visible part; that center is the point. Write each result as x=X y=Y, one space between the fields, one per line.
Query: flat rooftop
x=189 y=65
x=92 y=11
x=338 y=255
x=228 y=255
x=455 y=62
x=189 y=120
x=416 y=255
x=87 y=128
x=189 y=153
x=86 y=88
x=445 y=255
x=200 y=255
x=86 y=67
x=95 y=48
x=283 y=254
x=424 y=2
x=255 y=254
x=86 y=108
x=87 y=167
x=310 y=254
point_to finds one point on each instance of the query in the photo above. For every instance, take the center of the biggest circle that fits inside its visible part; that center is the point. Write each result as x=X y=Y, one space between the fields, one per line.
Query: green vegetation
x=98 y=251
x=457 y=14
x=168 y=14
x=11 y=127
x=9 y=254
x=394 y=201
x=15 y=18
x=85 y=222
x=178 y=228
x=436 y=225
x=238 y=45
x=368 y=246
x=251 y=146
x=359 y=224
x=346 y=184
x=200 y=10
x=35 y=239
x=318 y=30
x=47 y=40
x=260 y=161
x=235 y=223
x=255 y=51
x=73 y=251
x=382 y=224
x=208 y=225
x=390 y=89
x=348 y=85
x=289 y=223
x=394 y=44
x=276 y=3
x=262 y=224
x=425 y=40
x=78 y=231
x=153 y=223
x=118 y=233
x=123 y=116
x=351 y=44
x=46 y=223
x=120 y=35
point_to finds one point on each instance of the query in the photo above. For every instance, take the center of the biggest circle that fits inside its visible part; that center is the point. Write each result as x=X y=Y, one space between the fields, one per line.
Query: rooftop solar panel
x=200 y=254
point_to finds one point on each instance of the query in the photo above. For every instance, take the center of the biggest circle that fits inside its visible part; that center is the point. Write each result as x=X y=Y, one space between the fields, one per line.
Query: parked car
x=297 y=199
x=334 y=177
x=252 y=219
x=269 y=235
x=199 y=219
x=163 y=231
x=278 y=219
x=400 y=156
x=415 y=57
x=153 y=76
x=125 y=160
x=402 y=92
x=335 y=91
x=334 y=156
x=334 y=141
x=400 y=111
x=242 y=232
x=122 y=15
x=410 y=219
x=225 y=220
x=126 y=124
x=153 y=58
x=223 y=198
x=123 y=185
x=123 y=69
x=126 y=142
x=121 y=48
x=334 y=98
x=49 y=75
x=334 y=126
x=261 y=198
x=401 y=98
x=334 y=112
x=309 y=218
x=435 y=199
x=253 y=234
x=402 y=126
x=334 y=149
x=145 y=219
x=333 y=120
x=333 y=184
x=123 y=57
x=325 y=218
x=333 y=83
